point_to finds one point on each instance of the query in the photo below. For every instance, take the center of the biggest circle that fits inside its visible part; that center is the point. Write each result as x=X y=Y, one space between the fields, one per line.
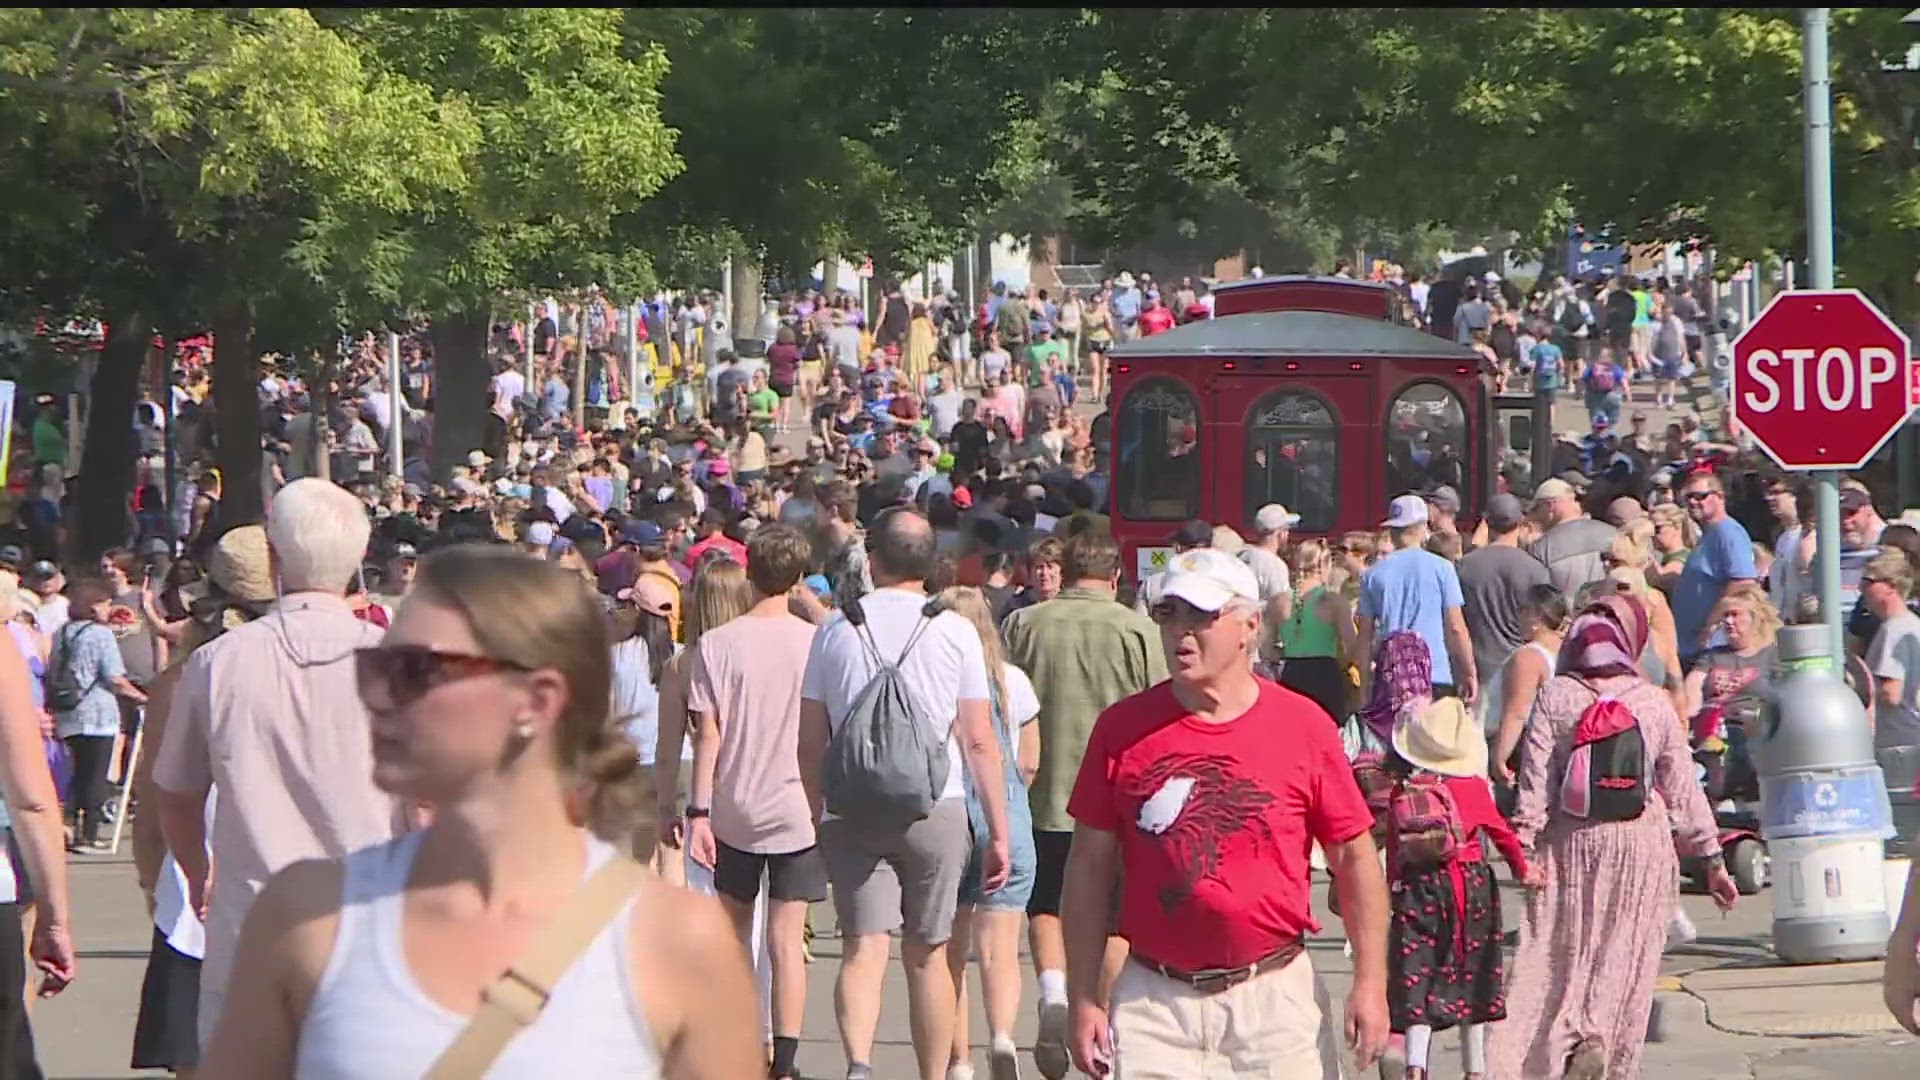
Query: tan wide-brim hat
x=1443 y=738
x=239 y=565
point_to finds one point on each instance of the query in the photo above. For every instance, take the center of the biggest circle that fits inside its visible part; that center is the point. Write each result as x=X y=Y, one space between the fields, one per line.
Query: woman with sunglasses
x=489 y=699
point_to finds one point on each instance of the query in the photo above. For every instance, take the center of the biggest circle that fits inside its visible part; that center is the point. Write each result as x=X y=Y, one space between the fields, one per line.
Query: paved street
x=86 y=1033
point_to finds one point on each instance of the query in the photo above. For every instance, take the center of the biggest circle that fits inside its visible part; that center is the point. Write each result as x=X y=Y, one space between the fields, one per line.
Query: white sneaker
x=1680 y=929
x=1050 y=1048
x=1003 y=1062
x=959 y=1070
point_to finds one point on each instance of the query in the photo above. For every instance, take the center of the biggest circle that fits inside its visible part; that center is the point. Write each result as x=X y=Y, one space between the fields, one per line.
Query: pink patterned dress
x=1590 y=941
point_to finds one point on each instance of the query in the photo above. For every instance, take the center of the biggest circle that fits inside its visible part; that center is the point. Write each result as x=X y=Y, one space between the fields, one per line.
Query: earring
x=523 y=729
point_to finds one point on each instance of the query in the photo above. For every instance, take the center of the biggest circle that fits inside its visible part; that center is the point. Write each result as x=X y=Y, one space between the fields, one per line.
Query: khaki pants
x=1278 y=1026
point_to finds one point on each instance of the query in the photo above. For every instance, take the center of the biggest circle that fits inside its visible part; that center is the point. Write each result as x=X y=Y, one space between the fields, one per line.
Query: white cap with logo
x=1405 y=511
x=1209 y=580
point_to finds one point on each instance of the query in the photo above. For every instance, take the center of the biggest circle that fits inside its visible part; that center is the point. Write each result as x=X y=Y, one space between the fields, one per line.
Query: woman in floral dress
x=1590 y=940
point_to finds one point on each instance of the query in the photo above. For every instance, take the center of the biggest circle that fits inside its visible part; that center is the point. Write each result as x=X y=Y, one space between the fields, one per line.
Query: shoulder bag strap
x=516 y=1000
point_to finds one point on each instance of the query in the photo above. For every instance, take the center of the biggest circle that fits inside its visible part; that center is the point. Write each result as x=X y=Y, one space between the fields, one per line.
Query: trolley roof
x=1295 y=333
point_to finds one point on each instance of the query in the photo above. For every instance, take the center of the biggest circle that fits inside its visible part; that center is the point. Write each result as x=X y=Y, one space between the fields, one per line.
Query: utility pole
x=1817 y=80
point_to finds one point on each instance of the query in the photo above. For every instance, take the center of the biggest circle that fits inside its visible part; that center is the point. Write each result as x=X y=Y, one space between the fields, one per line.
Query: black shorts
x=1050 y=873
x=1619 y=337
x=797 y=875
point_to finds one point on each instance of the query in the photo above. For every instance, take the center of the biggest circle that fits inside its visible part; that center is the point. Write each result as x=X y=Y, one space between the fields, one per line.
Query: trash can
x=1824 y=810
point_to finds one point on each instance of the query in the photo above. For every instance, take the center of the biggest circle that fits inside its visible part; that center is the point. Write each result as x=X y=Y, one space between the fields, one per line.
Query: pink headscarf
x=1606 y=639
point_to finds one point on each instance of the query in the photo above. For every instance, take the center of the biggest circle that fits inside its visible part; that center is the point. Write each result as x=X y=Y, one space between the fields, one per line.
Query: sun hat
x=1405 y=512
x=1442 y=738
x=239 y=565
x=1209 y=580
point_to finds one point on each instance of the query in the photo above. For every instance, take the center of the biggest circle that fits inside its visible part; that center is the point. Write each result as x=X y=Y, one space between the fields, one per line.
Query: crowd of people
x=404 y=736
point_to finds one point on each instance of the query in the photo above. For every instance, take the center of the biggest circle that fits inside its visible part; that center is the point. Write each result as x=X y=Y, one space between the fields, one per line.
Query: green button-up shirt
x=1083 y=652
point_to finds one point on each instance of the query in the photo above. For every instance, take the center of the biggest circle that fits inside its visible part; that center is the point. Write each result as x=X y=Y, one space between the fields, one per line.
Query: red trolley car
x=1306 y=391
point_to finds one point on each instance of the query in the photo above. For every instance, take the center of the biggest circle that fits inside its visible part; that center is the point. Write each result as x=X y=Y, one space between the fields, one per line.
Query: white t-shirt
x=1022 y=705
x=945 y=668
x=508 y=386
x=1786 y=582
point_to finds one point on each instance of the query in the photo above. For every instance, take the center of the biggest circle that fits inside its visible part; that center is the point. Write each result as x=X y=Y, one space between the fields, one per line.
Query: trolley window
x=1292 y=447
x=1157 y=467
x=1426 y=432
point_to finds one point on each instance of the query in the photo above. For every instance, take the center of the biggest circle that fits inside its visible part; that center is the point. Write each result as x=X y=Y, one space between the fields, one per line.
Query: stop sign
x=1822 y=378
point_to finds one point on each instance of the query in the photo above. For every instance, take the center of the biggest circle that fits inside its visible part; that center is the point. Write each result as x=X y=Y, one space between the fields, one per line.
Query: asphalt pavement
x=1726 y=1010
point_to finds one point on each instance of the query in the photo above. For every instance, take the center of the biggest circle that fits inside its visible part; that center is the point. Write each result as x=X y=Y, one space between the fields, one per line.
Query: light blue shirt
x=1126 y=305
x=94 y=656
x=1724 y=555
x=1413 y=589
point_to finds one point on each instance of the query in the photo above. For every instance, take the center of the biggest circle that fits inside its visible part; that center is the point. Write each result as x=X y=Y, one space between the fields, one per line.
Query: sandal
x=1588 y=1061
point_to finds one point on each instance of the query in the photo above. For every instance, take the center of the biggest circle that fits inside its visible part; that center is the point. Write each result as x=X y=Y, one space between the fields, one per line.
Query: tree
x=169 y=161
x=570 y=140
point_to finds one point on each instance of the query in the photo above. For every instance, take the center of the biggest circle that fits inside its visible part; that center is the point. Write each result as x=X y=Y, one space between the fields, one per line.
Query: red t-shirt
x=1155 y=321
x=1214 y=821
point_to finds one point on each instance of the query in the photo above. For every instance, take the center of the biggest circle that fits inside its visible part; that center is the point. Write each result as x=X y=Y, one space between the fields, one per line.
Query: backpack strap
x=515 y=1001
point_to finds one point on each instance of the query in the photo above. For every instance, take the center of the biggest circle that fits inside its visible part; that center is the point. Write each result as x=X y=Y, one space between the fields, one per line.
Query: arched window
x=1157 y=457
x=1426 y=433
x=1293 y=446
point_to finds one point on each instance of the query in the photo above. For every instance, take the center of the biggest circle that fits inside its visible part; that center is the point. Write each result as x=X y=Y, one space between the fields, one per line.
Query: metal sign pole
x=1819 y=133
x=396 y=408
x=633 y=353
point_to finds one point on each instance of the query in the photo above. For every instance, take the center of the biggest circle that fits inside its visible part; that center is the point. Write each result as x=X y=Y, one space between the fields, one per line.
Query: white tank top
x=370 y=1020
x=1493 y=697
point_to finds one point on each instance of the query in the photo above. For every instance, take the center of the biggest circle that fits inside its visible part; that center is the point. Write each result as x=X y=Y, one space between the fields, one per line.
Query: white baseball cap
x=1273 y=517
x=1405 y=511
x=1209 y=580
x=540 y=534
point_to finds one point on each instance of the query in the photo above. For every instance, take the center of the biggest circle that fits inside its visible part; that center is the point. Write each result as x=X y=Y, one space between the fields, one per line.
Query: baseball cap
x=1209 y=580
x=42 y=571
x=1576 y=480
x=1193 y=534
x=14 y=555
x=540 y=534
x=478 y=459
x=719 y=467
x=1273 y=517
x=1405 y=511
x=1853 y=500
x=1553 y=488
x=641 y=533
x=1444 y=497
x=944 y=462
x=1504 y=512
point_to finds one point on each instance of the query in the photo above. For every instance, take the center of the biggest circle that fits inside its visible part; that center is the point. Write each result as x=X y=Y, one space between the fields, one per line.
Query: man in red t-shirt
x=1157 y=319
x=1202 y=797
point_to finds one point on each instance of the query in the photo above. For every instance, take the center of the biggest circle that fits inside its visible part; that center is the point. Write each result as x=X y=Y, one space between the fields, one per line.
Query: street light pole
x=1817 y=81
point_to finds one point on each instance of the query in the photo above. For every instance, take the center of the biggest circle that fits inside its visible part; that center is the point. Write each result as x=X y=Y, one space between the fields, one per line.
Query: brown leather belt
x=1219 y=980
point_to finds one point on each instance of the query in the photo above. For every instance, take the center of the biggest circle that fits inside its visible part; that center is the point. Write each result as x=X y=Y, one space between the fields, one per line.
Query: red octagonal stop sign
x=1822 y=378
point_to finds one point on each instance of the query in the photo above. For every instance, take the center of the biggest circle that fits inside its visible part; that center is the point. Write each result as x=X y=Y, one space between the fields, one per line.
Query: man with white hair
x=270 y=712
x=1187 y=804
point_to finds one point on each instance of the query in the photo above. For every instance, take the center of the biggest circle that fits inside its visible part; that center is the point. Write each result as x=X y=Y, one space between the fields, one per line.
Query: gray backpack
x=883 y=764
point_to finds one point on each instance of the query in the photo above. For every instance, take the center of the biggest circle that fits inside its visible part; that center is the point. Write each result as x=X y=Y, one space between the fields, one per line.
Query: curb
x=1677 y=1004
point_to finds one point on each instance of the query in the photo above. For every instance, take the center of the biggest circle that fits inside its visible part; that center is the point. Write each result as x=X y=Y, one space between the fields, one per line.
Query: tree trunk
x=461 y=389
x=321 y=402
x=236 y=417
x=101 y=518
x=747 y=284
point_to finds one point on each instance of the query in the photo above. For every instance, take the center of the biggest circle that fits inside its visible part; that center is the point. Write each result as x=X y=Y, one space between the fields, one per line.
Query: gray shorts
x=909 y=877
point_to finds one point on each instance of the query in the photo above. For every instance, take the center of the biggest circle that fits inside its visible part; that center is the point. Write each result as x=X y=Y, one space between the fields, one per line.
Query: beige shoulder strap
x=516 y=1000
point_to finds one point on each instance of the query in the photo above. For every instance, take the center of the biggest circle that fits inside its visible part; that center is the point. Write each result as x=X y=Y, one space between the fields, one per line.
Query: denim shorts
x=1014 y=894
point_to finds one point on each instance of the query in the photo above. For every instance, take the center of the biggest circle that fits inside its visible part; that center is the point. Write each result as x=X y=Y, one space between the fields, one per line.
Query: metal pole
x=1819 y=135
x=163 y=397
x=580 y=372
x=633 y=353
x=533 y=320
x=396 y=408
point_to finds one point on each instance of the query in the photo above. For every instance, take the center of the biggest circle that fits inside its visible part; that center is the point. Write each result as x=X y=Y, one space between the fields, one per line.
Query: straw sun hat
x=1443 y=738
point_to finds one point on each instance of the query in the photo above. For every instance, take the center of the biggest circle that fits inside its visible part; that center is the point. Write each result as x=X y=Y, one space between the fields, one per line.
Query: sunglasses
x=407 y=673
x=1699 y=496
x=1182 y=616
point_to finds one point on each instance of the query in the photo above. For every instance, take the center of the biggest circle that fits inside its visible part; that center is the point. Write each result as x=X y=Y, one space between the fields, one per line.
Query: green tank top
x=1306 y=633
